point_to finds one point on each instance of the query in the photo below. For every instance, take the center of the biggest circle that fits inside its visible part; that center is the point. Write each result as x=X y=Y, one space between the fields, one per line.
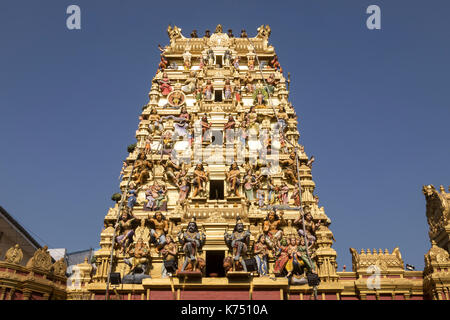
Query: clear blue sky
x=373 y=107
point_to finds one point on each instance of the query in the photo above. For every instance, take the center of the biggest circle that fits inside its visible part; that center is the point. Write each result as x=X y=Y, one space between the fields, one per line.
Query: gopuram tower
x=210 y=204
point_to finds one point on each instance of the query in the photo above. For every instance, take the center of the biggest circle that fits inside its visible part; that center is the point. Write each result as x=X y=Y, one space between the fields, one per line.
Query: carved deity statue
x=290 y=168
x=160 y=227
x=272 y=228
x=261 y=251
x=192 y=241
x=126 y=230
x=169 y=254
x=238 y=241
x=233 y=180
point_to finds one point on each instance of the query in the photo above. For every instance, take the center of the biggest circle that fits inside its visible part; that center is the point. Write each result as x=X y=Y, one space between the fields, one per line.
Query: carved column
x=326 y=256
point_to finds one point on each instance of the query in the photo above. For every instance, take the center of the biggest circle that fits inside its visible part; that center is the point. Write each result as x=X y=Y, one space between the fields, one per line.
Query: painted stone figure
x=284 y=193
x=184 y=114
x=159 y=229
x=126 y=230
x=199 y=180
x=190 y=84
x=296 y=196
x=192 y=241
x=227 y=58
x=122 y=171
x=272 y=191
x=282 y=118
x=290 y=168
x=272 y=228
x=138 y=262
x=211 y=57
x=292 y=254
x=184 y=188
x=236 y=63
x=148 y=145
x=208 y=91
x=155 y=127
x=229 y=129
x=131 y=199
x=187 y=60
x=282 y=255
x=310 y=226
x=163 y=63
x=238 y=241
x=261 y=254
x=271 y=83
x=164 y=85
x=233 y=180
x=260 y=96
x=248 y=81
x=205 y=128
x=249 y=185
x=176 y=99
x=260 y=196
x=227 y=90
x=169 y=254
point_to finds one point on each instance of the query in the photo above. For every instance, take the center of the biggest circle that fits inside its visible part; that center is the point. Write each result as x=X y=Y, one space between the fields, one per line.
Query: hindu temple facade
x=217 y=197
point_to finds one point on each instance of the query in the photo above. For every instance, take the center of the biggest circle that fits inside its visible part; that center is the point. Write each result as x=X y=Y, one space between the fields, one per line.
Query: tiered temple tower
x=217 y=198
x=220 y=101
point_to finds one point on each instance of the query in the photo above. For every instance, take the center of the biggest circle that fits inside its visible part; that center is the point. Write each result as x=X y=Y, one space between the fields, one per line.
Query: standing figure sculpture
x=310 y=226
x=164 y=85
x=169 y=255
x=211 y=57
x=261 y=252
x=199 y=180
x=233 y=180
x=290 y=171
x=229 y=129
x=126 y=230
x=272 y=228
x=228 y=90
x=238 y=242
x=205 y=128
x=192 y=241
x=208 y=91
x=227 y=58
x=249 y=185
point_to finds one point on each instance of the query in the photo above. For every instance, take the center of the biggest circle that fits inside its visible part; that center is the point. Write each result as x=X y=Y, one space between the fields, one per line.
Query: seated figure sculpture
x=159 y=230
x=138 y=261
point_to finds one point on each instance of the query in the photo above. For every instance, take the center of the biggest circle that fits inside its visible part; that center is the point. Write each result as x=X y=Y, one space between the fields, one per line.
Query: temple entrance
x=217 y=95
x=214 y=263
x=216 y=190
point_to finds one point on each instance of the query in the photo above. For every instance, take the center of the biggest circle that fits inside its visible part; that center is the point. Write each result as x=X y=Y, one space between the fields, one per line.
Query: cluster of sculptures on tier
x=290 y=245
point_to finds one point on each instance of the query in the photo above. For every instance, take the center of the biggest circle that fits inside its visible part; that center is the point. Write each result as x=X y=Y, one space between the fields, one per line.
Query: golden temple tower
x=217 y=198
x=217 y=142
